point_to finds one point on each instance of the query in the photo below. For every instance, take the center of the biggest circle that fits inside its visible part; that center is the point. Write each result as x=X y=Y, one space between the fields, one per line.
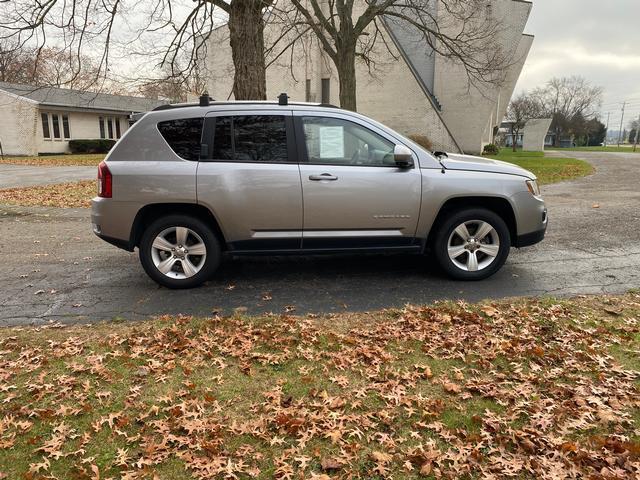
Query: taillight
x=105 y=180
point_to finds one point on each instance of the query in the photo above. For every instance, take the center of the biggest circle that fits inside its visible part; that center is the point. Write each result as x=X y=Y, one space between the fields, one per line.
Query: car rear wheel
x=179 y=251
x=472 y=244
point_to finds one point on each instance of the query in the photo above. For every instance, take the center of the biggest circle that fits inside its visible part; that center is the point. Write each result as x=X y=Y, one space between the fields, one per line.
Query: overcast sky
x=598 y=39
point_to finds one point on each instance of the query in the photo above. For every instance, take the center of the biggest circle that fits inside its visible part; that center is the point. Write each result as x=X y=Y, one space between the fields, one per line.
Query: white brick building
x=36 y=120
x=410 y=88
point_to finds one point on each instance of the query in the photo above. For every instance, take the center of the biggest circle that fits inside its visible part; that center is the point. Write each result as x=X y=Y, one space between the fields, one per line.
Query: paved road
x=587 y=250
x=25 y=175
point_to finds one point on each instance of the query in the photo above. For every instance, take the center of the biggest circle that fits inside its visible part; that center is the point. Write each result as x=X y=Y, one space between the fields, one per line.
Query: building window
x=326 y=91
x=65 y=126
x=55 y=122
x=46 y=133
x=307 y=92
x=117 y=120
x=183 y=136
x=102 y=135
x=110 y=126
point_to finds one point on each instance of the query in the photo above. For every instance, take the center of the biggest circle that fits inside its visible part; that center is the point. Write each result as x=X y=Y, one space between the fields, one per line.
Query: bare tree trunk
x=246 y=27
x=346 y=66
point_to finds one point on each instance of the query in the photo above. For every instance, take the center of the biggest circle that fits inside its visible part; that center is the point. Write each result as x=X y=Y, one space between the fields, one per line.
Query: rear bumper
x=112 y=221
x=118 y=242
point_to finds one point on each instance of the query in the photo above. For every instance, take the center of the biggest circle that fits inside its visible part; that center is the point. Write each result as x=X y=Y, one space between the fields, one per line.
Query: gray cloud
x=598 y=40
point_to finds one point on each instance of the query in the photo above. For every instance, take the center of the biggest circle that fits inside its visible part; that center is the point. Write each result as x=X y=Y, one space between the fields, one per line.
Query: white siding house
x=37 y=120
x=409 y=87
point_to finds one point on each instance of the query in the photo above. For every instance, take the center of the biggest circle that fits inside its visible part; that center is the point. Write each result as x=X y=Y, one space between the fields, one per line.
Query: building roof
x=64 y=97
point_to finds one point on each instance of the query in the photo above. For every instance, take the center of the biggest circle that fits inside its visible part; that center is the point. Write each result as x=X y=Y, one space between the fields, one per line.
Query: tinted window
x=255 y=138
x=110 y=125
x=222 y=143
x=334 y=141
x=118 y=128
x=183 y=136
x=45 y=125
x=102 y=128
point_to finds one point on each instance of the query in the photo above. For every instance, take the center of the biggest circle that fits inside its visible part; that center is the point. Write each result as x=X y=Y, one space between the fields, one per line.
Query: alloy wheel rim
x=473 y=245
x=178 y=252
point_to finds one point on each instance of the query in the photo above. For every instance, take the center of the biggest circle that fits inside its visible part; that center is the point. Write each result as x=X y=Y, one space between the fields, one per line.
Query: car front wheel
x=179 y=251
x=472 y=244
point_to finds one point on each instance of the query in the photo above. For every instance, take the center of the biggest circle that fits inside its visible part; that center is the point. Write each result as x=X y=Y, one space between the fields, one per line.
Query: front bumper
x=531 y=238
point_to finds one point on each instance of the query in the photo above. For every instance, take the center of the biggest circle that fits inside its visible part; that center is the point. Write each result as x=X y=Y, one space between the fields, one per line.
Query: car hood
x=455 y=161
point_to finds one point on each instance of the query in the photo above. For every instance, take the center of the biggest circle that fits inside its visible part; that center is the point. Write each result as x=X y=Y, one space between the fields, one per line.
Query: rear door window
x=251 y=138
x=184 y=136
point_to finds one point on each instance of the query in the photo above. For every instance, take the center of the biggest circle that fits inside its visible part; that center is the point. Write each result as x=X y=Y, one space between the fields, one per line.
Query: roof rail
x=212 y=102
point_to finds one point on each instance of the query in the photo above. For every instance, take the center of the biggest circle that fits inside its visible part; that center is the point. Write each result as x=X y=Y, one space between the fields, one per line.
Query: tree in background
x=466 y=34
x=634 y=130
x=569 y=101
x=175 y=39
x=521 y=109
x=49 y=67
x=15 y=63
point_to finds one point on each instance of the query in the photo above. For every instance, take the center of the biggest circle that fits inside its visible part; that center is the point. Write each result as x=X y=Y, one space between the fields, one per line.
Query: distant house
x=36 y=120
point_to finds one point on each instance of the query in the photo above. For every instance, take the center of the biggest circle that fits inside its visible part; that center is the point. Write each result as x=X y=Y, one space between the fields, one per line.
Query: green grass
x=610 y=148
x=547 y=169
x=84 y=160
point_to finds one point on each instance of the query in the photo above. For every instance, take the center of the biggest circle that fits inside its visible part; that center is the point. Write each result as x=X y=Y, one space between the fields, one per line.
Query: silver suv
x=188 y=183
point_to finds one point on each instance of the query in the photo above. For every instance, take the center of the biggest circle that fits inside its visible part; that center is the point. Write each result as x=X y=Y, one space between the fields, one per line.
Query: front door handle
x=324 y=176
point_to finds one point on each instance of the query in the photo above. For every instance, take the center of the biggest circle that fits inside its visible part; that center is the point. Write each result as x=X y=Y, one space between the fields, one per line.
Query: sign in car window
x=331 y=142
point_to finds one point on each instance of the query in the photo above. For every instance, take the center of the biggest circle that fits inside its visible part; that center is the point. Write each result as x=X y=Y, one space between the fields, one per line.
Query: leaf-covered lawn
x=547 y=169
x=530 y=389
x=56 y=160
x=62 y=195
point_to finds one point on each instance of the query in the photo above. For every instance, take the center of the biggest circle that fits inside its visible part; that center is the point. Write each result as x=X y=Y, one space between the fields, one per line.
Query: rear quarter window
x=183 y=136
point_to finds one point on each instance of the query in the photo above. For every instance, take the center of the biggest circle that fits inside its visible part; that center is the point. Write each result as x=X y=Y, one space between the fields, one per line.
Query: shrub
x=491 y=149
x=423 y=141
x=91 y=146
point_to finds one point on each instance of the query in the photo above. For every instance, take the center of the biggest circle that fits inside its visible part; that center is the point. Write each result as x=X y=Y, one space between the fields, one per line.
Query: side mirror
x=403 y=156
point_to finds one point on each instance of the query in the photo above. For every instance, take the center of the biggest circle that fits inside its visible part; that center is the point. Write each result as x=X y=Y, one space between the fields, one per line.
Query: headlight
x=533 y=187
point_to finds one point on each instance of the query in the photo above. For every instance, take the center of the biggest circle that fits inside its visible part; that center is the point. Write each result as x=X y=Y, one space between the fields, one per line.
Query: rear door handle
x=324 y=176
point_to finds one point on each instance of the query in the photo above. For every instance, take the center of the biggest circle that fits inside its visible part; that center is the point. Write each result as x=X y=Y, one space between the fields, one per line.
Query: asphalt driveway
x=54 y=269
x=26 y=175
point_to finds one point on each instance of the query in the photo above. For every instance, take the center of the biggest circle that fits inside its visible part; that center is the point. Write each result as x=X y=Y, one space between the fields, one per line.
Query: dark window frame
x=102 y=128
x=209 y=137
x=110 y=127
x=118 y=130
x=303 y=152
x=46 y=129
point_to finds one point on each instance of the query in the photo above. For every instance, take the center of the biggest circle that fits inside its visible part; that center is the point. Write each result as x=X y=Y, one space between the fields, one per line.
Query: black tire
x=444 y=231
x=211 y=260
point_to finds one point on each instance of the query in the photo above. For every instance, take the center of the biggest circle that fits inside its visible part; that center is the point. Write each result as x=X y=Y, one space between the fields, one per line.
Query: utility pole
x=607 y=129
x=635 y=143
x=621 y=124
